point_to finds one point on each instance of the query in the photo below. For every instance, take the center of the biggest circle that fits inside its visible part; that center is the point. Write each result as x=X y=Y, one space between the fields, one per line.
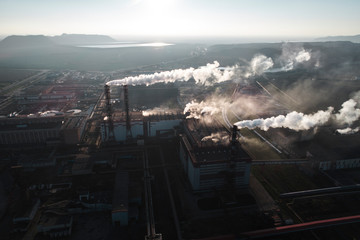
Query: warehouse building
x=42 y=130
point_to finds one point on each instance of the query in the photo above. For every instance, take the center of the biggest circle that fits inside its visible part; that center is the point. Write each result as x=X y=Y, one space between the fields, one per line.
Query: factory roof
x=209 y=143
x=202 y=133
x=25 y=123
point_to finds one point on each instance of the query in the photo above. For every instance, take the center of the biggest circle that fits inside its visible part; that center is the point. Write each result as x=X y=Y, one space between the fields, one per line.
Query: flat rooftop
x=209 y=142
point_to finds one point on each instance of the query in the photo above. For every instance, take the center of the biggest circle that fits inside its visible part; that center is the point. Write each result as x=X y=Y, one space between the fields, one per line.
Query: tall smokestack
x=128 y=120
x=234 y=135
x=111 y=136
x=233 y=146
x=230 y=173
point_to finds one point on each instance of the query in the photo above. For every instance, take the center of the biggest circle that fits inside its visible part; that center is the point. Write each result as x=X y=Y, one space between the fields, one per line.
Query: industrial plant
x=174 y=151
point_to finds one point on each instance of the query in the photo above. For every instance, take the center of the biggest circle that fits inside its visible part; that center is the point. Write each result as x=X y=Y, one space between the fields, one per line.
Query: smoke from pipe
x=347 y=115
x=205 y=75
x=294 y=120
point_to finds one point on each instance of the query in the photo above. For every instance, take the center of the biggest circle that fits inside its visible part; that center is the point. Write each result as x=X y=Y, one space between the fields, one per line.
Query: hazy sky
x=221 y=18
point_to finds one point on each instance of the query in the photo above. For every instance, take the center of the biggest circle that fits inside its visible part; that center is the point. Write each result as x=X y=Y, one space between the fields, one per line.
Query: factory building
x=211 y=158
x=121 y=126
x=141 y=126
x=33 y=129
x=30 y=130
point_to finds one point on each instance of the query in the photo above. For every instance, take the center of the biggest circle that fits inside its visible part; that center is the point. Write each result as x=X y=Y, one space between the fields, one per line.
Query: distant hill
x=29 y=41
x=355 y=38
x=77 y=39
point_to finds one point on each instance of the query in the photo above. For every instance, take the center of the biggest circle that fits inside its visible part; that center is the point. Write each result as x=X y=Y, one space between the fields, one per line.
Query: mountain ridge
x=353 y=38
x=25 y=41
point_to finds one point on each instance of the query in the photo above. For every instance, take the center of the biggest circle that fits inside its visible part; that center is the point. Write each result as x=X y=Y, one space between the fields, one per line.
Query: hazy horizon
x=173 y=19
x=191 y=39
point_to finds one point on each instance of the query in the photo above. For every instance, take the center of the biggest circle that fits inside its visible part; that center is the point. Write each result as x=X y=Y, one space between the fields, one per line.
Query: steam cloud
x=347 y=115
x=294 y=120
x=210 y=74
x=291 y=57
x=197 y=110
x=205 y=75
x=216 y=137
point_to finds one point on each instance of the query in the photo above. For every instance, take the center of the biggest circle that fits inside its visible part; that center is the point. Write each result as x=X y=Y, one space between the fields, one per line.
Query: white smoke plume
x=294 y=120
x=347 y=115
x=293 y=55
x=348 y=130
x=205 y=75
x=159 y=111
x=217 y=137
x=259 y=64
x=198 y=110
x=243 y=105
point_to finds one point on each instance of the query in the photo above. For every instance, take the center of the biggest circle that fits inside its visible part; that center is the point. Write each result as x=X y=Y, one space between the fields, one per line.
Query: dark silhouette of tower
x=128 y=120
x=110 y=137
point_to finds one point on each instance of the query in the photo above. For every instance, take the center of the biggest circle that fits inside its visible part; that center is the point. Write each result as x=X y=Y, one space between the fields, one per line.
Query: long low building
x=211 y=158
x=30 y=130
x=41 y=130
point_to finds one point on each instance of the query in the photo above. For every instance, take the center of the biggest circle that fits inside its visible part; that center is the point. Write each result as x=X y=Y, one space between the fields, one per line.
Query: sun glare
x=158 y=5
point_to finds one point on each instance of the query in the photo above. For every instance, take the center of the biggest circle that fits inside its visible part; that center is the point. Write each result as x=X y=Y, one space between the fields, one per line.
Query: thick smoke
x=198 y=110
x=347 y=115
x=348 y=130
x=294 y=120
x=259 y=64
x=205 y=75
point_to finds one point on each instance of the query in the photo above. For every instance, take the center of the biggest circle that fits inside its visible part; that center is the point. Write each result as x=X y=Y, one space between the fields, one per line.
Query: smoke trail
x=205 y=75
x=347 y=115
x=159 y=111
x=202 y=75
x=294 y=120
